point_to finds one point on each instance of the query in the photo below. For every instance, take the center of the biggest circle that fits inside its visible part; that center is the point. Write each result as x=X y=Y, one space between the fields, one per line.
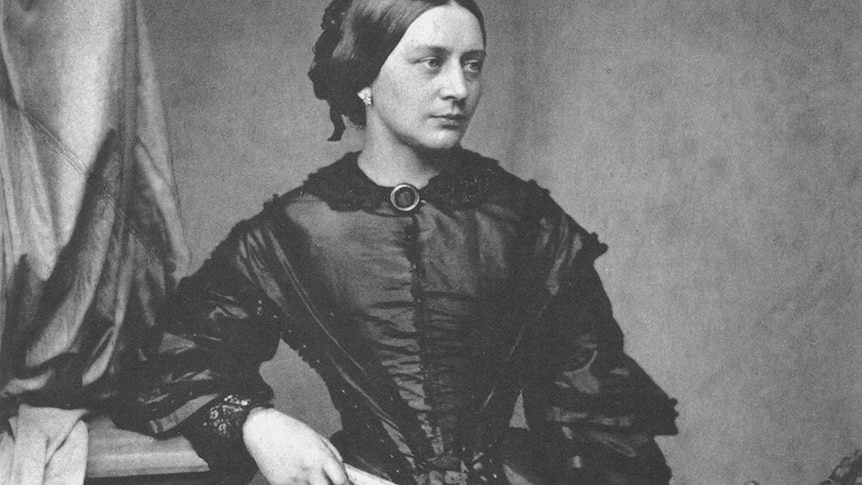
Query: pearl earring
x=366 y=99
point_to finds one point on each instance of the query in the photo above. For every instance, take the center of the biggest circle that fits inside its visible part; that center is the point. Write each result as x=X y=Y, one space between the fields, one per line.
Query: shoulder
x=272 y=224
x=547 y=226
x=474 y=179
x=558 y=245
x=505 y=189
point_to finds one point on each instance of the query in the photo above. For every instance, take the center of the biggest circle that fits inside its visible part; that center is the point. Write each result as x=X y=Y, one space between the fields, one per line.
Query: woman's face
x=429 y=86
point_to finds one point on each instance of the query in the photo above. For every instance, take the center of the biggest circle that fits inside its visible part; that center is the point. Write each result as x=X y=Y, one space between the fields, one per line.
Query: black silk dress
x=426 y=324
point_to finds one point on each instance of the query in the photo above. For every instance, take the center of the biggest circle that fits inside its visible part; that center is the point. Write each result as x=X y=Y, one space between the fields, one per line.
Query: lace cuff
x=215 y=432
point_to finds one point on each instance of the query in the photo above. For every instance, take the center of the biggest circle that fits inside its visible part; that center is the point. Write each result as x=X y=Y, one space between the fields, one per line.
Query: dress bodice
x=424 y=295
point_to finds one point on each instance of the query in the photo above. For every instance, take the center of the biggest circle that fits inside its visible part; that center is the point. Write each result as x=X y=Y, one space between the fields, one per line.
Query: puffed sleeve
x=595 y=406
x=198 y=369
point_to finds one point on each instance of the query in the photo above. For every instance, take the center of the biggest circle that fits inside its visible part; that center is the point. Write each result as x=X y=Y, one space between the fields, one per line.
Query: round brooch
x=404 y=197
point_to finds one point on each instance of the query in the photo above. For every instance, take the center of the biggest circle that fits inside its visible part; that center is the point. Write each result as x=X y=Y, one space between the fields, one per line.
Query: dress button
x=404 y=197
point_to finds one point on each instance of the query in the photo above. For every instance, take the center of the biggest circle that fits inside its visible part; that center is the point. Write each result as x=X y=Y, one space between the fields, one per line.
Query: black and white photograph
x=430 y=242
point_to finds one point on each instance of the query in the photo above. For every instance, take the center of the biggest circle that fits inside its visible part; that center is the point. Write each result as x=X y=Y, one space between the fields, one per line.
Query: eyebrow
x=433 y=49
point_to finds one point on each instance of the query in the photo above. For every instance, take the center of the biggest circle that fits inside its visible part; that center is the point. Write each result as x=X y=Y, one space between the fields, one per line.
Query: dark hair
x=357 y=38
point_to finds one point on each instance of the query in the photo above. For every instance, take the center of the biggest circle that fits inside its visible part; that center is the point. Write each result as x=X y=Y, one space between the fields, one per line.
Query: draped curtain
x=90 y=234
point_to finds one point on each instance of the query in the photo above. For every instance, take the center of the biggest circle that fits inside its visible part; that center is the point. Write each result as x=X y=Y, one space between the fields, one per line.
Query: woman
x=427 y=286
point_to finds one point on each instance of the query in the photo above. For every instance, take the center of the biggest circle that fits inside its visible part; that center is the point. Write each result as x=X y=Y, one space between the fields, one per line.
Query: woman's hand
x=288 y=452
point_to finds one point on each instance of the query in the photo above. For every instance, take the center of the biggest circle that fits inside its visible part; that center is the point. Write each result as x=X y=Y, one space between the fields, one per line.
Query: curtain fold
x=90 y=231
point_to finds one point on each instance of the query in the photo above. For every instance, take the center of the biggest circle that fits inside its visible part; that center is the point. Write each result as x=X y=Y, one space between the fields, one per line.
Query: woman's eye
x=473 y=67
x=432 y=63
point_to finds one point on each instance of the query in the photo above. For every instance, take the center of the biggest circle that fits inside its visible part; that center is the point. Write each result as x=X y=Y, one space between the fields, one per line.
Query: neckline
x=390 y=187
x=464 y=180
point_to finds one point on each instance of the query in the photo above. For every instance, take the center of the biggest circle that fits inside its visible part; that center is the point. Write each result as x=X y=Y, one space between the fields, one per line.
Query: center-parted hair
x=358 y=36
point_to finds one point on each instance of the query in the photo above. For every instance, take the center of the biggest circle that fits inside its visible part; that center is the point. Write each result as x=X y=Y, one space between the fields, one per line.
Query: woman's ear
x=365 y=95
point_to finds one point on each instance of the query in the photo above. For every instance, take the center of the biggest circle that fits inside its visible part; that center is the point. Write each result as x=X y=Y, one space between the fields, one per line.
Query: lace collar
x=467 y=181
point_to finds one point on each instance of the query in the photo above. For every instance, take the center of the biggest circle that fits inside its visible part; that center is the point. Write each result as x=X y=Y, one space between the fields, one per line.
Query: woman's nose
x=454 y=83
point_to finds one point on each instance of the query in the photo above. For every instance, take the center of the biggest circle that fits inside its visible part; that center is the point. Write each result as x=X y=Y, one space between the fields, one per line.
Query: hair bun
x=321 y=69
x=334 y=14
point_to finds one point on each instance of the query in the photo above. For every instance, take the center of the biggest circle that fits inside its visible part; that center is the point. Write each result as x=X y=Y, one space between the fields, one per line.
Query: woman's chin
x=447 y=140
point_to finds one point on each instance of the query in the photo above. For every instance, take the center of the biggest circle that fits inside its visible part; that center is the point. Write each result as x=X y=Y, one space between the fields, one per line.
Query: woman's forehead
x=449 y=27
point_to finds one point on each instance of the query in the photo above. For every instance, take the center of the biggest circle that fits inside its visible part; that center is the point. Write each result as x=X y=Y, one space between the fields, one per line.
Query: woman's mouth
x=454 y=119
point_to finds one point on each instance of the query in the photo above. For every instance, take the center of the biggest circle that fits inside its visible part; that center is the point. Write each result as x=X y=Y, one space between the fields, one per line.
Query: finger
x=318 y=478
x=333 y=449
x=335 y=472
